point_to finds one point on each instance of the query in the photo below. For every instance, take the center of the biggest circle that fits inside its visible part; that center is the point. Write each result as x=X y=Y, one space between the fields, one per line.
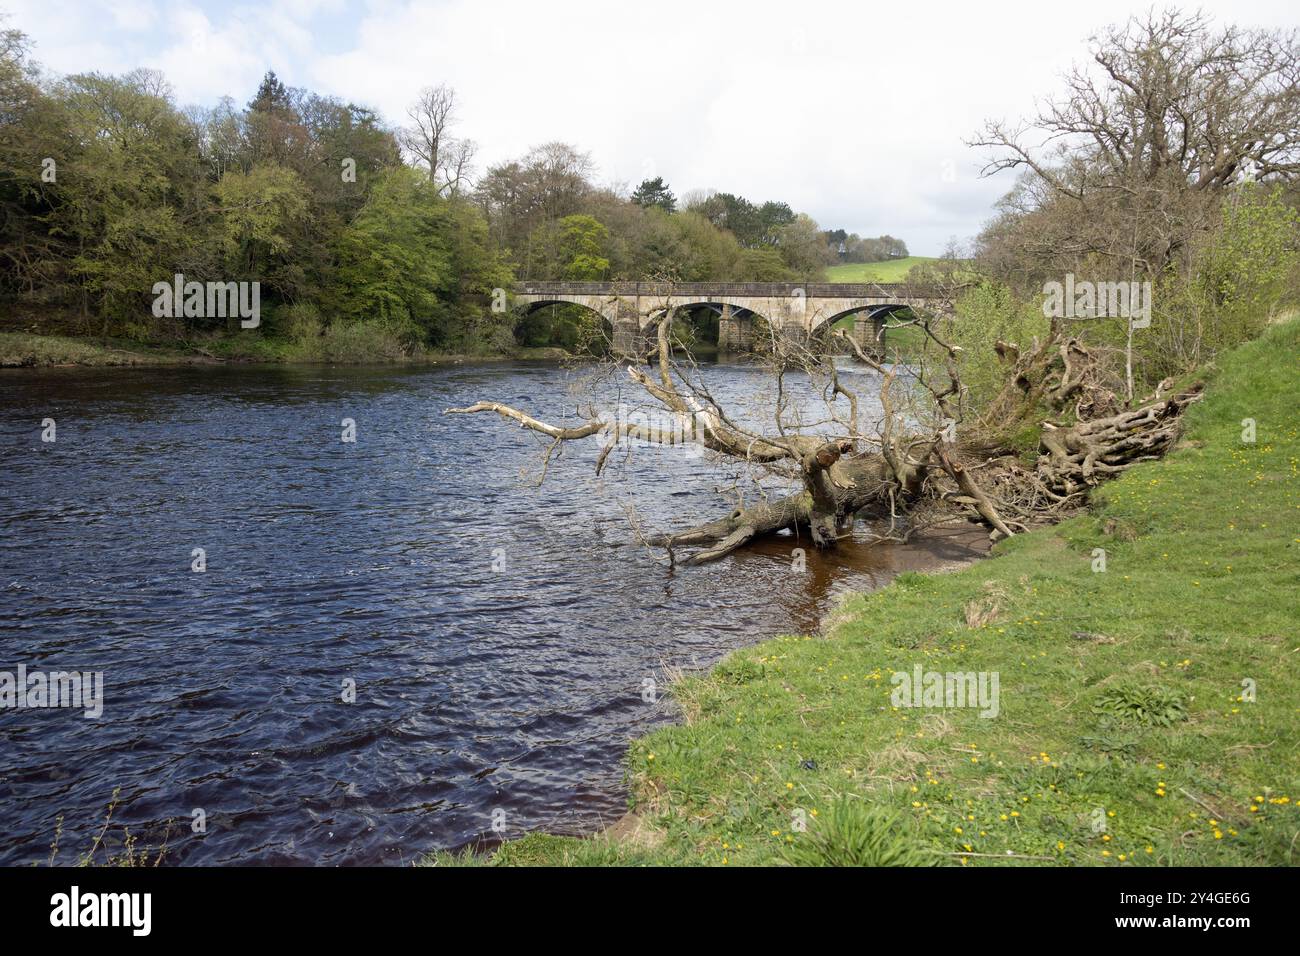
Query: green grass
x=356 y=344
x=1124 y=736
x=893 y=270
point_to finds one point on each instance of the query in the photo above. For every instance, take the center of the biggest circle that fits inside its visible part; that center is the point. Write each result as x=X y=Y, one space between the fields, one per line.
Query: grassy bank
x=26 y=350
x=1149 y=714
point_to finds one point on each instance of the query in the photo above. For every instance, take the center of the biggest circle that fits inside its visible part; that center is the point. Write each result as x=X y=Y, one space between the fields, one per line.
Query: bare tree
x=458 y=166
x=428 y=139
x=431 y=117
x=1171 y=112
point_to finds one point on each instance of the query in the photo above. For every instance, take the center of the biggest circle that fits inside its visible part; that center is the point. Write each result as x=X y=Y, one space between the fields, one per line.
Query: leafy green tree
x=259 y=212
x=575 y=248
x=33 y=138
x=131 y=195
x=420 y=263
x=393 y=256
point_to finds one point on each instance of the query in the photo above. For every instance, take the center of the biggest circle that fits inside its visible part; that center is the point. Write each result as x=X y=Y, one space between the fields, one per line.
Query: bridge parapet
x=833 y=290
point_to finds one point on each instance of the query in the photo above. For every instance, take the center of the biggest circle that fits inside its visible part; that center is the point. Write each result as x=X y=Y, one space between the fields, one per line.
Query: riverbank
x=1146 y=707
x=27 y=350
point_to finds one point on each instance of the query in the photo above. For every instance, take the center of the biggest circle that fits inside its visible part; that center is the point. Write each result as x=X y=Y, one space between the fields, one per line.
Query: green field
x=1148 y=711
x=895 y=270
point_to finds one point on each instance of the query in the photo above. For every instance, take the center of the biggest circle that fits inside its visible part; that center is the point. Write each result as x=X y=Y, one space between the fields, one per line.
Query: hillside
x=895 y=270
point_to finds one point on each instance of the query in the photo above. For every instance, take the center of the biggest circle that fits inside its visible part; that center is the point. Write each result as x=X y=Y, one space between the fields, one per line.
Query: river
x=497 y=637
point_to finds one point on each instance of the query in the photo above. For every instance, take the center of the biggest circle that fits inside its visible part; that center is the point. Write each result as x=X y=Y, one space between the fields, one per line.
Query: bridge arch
x=603 y=325
x=740 y=327
x=717 y=304
x=868 y=327
x=873 y=311
x=606 y=310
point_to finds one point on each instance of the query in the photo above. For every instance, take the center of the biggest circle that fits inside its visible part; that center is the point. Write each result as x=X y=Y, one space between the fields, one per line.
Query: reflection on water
x=371 y=565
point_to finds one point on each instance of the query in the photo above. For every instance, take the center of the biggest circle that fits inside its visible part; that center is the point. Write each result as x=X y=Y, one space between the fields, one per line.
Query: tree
x=802 y=247
x=551 y=182
x=33 y=132
x=129 y=191
x=259 y=211
x=654 y=192
x=272 y=125
x=572 y=248
x=272 y=96
x=1171 y=114
x=421 y=263
x=395 y=256
x=448 y=160
x=1149 y=142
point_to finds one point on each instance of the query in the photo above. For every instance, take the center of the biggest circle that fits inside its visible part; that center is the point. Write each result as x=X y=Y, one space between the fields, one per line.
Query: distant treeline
x=108 y=187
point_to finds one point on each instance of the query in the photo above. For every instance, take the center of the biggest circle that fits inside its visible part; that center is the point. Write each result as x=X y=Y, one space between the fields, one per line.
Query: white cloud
x=850 y=112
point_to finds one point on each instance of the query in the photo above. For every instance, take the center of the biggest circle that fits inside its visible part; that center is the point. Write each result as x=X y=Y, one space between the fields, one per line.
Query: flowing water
x=499 y=636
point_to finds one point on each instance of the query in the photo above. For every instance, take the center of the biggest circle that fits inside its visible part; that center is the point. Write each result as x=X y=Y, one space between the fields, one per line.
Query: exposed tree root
x=1082 y=455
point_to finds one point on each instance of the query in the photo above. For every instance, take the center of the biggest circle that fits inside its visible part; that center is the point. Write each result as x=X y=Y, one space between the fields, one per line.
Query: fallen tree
x=906 y=470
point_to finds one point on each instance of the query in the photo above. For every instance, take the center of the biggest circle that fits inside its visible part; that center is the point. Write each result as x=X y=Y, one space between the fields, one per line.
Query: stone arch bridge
x=801 y=310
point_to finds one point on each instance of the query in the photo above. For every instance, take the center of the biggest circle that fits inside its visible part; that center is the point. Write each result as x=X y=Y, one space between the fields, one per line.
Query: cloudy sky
x=853 y=112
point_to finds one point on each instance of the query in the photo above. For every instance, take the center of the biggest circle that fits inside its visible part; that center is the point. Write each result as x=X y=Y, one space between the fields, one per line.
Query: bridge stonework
x=797 y=310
